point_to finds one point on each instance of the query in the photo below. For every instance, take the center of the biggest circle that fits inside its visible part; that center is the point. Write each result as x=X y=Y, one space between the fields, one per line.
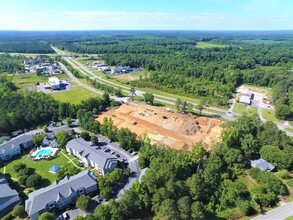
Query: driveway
x=279 y=213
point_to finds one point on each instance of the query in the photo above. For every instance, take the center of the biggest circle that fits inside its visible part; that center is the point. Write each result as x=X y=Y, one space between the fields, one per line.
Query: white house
x=12 y=148
x=8 y=197
x=60 y=194
x=92 y=155
x=54 y=82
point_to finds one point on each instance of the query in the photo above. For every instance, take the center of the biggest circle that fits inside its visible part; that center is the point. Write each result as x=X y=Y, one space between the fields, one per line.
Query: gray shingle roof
x=8 y=145
x=98 y=156
x=6 y=192
x=262 y=164
x=38 y=199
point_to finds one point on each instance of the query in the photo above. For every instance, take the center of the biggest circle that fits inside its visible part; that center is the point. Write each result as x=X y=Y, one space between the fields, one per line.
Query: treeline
x=11 y=64
x=20 y=110
x=198 y=184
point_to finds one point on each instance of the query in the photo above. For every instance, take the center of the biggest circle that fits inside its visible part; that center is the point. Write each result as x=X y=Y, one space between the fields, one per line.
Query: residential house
x=262 y=164
x=92 y=155
x=12 y=148
x=60 y=194
x=245 y=97
x=8 y=196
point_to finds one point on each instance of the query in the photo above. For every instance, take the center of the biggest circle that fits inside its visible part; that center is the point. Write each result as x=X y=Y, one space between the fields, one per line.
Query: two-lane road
x=279 y=213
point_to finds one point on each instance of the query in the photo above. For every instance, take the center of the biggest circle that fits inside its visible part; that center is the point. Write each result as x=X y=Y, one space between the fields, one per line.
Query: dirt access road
x=164 y=126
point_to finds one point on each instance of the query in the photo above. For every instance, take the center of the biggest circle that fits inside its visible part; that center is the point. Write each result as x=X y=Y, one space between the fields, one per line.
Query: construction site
x=165 y=126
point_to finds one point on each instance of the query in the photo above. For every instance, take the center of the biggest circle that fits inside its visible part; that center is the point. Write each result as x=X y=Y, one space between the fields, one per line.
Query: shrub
x=83 y=202
x=18 y=211
x=284 y=174
x=290 y=183
x=19 y=166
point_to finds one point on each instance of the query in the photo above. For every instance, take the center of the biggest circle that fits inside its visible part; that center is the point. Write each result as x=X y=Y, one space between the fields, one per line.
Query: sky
x=146 y=14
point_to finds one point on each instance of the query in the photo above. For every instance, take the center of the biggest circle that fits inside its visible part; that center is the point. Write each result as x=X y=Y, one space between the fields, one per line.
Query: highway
x=280 y=213
x=225 y=114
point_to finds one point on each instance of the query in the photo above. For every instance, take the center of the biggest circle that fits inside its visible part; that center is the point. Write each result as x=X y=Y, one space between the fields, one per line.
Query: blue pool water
x=44 y=152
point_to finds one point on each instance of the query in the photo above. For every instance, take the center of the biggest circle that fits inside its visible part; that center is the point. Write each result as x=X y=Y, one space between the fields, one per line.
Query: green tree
x=197 y=210
x=178 y=104
x=62 y=138
x=38 y=139
x=34 y=181
x=83 y=202
x=103 y=212
x=184 y=206
x=94 y=140
x=85 y=135
x=68 y=122
x=19 y=166
x=18 y=211
x=106 y=97
x=126 y=138
x=47 y=216
x=45 y=129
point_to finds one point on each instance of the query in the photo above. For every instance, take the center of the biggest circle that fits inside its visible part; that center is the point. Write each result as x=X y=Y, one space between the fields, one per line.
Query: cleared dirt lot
x=163 y=126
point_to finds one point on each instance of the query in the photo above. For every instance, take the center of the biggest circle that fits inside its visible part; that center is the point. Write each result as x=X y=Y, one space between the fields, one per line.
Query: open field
x=242 y=109
x=177 y=130
x=41 y=167
x=203 y=45
x=74 y=96
x=131 y=76
x=269 y=115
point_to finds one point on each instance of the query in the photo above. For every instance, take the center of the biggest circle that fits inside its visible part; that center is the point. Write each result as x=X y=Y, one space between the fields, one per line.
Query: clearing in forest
x=165 y=126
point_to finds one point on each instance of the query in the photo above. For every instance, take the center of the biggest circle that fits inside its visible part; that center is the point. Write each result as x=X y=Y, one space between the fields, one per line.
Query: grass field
x=203 y=45
x=41 y=167
x=242 y=109
x=74 y=96
x=269 y=115
x=289 y=218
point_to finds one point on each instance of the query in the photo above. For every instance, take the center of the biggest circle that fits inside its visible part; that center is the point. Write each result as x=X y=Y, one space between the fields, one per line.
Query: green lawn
x=289 y=218
x=74 y=96
x=242 y=109
x=41 y=167
x=269 y=115
x=203 y=45
x=291 y=123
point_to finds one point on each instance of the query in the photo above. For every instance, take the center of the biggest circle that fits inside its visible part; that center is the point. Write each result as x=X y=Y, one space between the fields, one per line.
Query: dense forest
x=11 y=64
x=20 y=109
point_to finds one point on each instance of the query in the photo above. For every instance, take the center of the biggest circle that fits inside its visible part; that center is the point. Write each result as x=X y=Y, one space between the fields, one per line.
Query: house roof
x=8 y=145
x=98 y=156
x=6 y=193
x=39 y=199
x=55 y=168
x=262 y=164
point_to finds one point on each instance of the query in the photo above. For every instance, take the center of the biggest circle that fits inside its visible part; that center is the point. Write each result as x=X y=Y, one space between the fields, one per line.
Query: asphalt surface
x=279 y=213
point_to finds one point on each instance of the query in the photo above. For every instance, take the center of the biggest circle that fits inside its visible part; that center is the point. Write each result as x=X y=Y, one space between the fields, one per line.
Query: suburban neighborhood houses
x=8 y=196
x=60 y=194
x=13 y=147
x=92 y=155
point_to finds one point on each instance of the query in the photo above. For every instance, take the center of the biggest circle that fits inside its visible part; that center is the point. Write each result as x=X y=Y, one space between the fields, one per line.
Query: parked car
x=133 y=153
x=112 y=152
x=130 y=151
x=66 y=215
x=124 y=160
x=117 y=155
x=104 y=149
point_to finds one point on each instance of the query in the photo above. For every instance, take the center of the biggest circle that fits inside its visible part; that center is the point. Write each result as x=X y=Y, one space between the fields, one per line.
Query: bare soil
x=164 y=126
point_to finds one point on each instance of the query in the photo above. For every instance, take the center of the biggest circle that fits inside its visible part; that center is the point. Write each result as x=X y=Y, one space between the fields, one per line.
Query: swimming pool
x=44 y=152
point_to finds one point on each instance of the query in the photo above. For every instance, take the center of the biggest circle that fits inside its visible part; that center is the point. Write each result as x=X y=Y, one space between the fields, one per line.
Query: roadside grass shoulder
x=289 y=129
x=269 y=115
x=289 y=218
